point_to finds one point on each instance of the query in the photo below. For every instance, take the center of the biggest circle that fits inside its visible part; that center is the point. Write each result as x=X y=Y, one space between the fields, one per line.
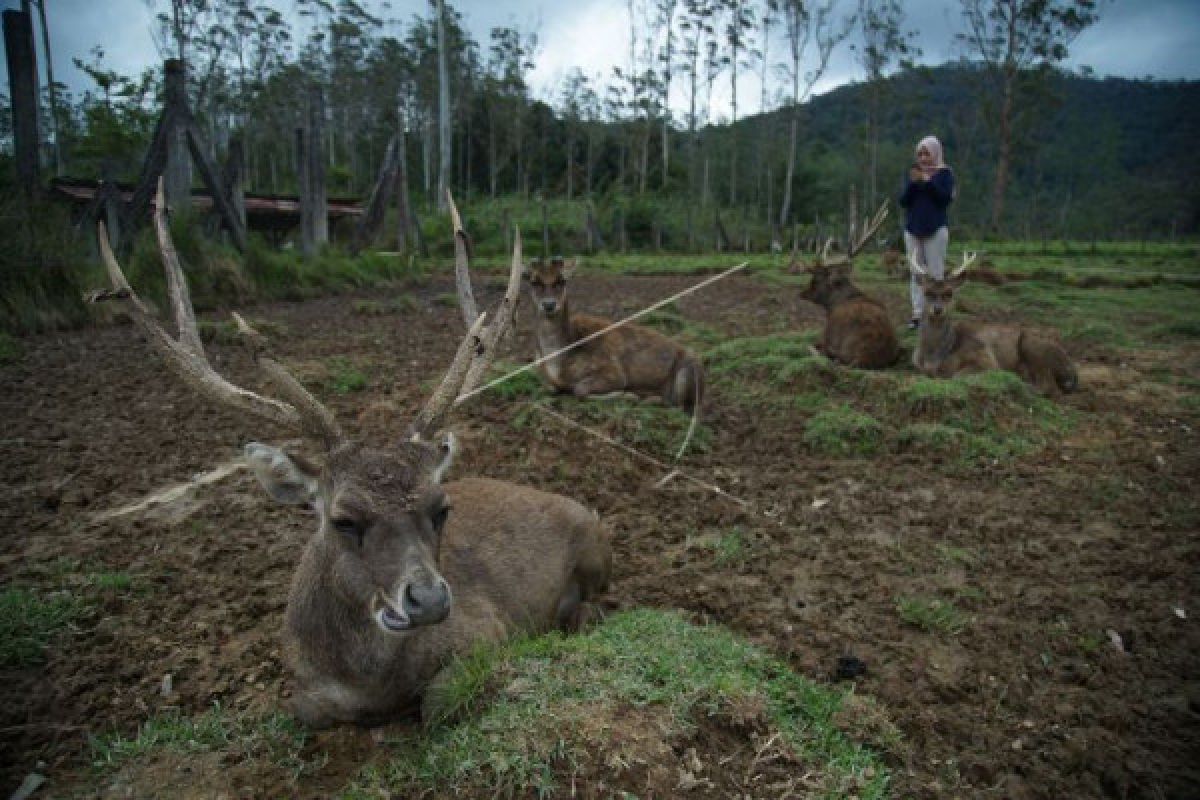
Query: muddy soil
x=1076 y=674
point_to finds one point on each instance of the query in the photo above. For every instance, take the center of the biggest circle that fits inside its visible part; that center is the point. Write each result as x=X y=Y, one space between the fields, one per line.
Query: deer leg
x=598 y=383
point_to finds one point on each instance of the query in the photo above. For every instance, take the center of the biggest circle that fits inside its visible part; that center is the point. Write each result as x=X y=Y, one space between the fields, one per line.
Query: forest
x=1094 y=157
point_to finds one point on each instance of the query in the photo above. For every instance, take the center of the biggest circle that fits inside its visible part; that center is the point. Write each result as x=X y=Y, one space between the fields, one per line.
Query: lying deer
x=404 y=572
x=947 y=348
x=857 y=330
x=631 y=358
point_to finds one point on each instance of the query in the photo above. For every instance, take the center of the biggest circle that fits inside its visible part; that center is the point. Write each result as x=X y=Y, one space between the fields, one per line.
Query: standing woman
x=928 y=189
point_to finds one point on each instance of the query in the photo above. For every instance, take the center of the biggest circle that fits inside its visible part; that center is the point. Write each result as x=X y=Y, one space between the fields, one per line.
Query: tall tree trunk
x=443 y=109
x=403 y=216
x=21 y=56
x=51 y=89
x=1002 y=161
x=785 y=208
x=570 y=164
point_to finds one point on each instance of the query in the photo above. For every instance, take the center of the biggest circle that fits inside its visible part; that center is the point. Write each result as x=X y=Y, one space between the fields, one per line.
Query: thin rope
x=672 y=471
x=462 y=398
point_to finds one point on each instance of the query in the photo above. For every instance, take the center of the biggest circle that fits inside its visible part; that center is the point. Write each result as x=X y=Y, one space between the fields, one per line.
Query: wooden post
x=177 y=174
x=314 y=213
x=22 y=82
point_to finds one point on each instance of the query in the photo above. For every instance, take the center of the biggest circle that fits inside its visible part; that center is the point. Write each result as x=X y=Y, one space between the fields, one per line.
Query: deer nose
x=427 y=602
x=549 y=305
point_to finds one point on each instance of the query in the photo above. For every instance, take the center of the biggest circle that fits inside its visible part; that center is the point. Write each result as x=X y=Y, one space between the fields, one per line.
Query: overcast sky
x=1134 y=38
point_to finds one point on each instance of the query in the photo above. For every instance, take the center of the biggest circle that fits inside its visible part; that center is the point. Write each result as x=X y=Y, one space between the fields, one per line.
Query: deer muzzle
x=549 y=306
x=422 y=600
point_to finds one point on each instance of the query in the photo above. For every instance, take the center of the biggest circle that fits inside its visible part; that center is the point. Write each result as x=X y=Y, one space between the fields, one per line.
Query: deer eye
x=347 y=526
x=439 y=517
x=558 y=284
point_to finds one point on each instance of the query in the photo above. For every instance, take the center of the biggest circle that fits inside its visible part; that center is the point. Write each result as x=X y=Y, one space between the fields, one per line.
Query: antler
x=866 y=231
x=478 y=348
x=968 y=259
x=186 y=357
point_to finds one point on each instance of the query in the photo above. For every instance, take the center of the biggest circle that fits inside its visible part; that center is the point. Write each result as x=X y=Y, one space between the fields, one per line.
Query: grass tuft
x=10 y=349
x=842 y=431
x=345 y=376
x=28 y=622
x=532 y=715
x=932 y=615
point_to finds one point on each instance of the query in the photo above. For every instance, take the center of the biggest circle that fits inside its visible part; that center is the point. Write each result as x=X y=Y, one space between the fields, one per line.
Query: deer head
x=380 y=507
x=939 y=292
x=831 y=273
x=548 y=283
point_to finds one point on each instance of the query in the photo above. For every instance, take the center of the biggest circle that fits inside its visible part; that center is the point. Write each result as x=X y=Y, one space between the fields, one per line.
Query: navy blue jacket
x=926 y=202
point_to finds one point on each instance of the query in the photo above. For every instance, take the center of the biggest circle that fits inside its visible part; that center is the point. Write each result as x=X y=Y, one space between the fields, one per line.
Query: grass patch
x=345 y=377
x=647 y=426
x=841 y=431
x=275 y=737
x=28 y=622
x=10 y=349
x=535 y=713
x=930 y=395
x=524 y=386
x=932 y=615
x=111 y=581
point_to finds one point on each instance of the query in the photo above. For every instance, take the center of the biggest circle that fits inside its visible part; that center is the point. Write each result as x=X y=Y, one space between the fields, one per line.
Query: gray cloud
x=1132 y=39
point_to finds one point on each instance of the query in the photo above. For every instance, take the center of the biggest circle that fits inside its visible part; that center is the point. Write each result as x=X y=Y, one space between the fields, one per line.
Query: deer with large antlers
x=946 y=348
x=857 y=330
x=631 y=358
x=404 y=572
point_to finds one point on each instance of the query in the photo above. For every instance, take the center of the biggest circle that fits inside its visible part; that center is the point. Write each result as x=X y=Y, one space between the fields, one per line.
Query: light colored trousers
x=930 y=253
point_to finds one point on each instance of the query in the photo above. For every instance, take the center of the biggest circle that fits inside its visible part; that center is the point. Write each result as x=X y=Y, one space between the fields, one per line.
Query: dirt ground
x=1079 y=566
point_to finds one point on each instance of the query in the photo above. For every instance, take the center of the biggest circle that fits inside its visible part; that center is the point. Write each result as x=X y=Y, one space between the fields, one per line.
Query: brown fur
x=516 y=560
x=947 y=348
x=631 y=358
x=857 y=330
x=893 y=263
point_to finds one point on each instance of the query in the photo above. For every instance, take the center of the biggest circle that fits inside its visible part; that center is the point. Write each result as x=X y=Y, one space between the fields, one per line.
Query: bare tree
x=802 y=27
x=1017 y=40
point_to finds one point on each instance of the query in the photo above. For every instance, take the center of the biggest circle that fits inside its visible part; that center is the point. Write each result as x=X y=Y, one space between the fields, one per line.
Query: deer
x=857 y=330
x=946 y=348
x=404 y=572
x=631 y=358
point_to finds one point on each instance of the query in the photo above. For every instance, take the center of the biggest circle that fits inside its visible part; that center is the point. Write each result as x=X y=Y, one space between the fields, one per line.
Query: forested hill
x=1093 y=157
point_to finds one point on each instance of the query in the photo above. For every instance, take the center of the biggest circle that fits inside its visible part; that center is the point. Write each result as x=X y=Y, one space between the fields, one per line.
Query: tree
x=443 y=109
x=803 y=26
x=1018 y=41
x=738 y=25
x=884 y=43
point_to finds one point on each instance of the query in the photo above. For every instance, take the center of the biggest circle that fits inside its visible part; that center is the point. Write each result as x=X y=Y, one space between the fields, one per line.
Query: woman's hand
x=916 y=174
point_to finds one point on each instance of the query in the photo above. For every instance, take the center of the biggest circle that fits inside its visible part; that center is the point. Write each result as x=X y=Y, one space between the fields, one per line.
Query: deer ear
x=956 y=281
x=290 y=480
x=446 y=448
x=568 y=268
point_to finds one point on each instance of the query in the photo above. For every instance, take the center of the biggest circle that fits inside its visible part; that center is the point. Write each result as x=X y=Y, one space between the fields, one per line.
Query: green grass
x=651 y=427
x=345 y=376
x=841 y=431
x=932 y=615
x=10 y=348
x=274 y=737
x=29 y=622
x=529 y=716
x=111 y=581
x=523 y=386
x=848 y=413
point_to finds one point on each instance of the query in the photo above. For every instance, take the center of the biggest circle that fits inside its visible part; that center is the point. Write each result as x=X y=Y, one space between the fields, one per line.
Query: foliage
x=528 y=715
x=274 y=737
x=933 y=615
x=28 y=622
